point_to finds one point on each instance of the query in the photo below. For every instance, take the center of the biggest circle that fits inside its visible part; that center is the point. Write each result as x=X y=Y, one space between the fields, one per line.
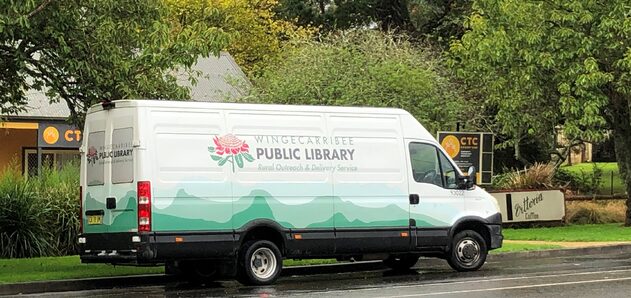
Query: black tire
x=468 y=251
x=260 y=263
x=401 y=262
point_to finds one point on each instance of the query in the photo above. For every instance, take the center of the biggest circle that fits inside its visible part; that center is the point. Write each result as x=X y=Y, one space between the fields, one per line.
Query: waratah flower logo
x=91 y=156
x=229 y=148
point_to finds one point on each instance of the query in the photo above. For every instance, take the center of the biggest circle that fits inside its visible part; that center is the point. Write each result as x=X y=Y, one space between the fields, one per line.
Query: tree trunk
x=518 y=156
x=621 y=129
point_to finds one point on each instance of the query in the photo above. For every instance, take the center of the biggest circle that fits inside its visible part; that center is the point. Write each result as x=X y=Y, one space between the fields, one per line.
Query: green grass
x=586 y=233
x=289 y=263
x=52 y=268
x=514 y=247
x=605 y=183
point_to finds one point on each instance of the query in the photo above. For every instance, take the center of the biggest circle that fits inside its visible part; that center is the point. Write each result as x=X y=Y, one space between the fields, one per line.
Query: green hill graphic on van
x=260 y=204
x=122 y=219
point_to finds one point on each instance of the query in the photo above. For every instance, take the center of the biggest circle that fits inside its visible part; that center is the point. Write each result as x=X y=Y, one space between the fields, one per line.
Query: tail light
x=80 y=209
x=144 y=206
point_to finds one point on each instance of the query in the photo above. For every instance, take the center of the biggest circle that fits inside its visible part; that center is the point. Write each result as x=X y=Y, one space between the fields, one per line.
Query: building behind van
x=233 y=189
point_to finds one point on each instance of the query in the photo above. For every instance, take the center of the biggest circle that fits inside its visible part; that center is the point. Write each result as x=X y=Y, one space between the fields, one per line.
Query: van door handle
x=110 y=203
x=414 y=199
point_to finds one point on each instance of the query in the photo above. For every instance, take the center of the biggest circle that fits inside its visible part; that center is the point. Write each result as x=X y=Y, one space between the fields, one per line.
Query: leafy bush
x=595 y=212
x=538 y=176
x=59 y=191
x=39 y=216
x=581 y=181
x=363 y=68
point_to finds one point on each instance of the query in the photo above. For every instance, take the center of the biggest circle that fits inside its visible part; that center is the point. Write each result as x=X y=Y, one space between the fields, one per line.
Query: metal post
x=611 y=181
x=39 y=161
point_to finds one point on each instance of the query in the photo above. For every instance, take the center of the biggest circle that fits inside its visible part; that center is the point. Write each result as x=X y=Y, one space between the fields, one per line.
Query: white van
x=234 y=189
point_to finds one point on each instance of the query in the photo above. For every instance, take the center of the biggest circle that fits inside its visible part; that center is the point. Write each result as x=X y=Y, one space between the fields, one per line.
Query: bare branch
x=39 y=8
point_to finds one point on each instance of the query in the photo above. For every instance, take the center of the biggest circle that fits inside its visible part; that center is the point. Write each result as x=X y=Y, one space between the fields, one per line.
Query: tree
x=334 y=15
x=437 y=20
x=257 y=36
x=362 y=68
x=87 y=51
x=548 y=63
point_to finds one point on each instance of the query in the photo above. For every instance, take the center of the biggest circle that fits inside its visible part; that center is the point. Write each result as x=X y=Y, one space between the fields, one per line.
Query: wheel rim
x=468 y=252
x=263 y=263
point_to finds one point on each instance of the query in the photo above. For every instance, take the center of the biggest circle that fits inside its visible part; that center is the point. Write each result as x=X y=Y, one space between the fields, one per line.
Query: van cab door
x=435 y=201
x=109 y=188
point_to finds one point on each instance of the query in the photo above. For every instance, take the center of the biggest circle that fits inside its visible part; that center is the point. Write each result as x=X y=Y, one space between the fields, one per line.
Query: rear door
x=110 y=189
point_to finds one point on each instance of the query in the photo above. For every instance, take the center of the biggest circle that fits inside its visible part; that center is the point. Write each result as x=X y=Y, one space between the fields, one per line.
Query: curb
x=157 y=279
x=561 y=252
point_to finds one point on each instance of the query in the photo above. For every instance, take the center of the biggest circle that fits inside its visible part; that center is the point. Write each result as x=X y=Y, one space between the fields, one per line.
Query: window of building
x=56 y=159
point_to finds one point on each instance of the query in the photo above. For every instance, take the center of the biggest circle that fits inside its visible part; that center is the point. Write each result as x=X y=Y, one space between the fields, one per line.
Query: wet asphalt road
x=606 y=275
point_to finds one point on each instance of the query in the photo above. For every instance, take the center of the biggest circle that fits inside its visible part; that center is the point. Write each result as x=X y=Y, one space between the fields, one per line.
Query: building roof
x=39 y=106
x=213 y=75
x=217 y=79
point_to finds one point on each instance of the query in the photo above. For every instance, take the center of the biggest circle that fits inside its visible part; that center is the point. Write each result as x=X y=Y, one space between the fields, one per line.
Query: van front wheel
x=260 y=263
x=468 y=251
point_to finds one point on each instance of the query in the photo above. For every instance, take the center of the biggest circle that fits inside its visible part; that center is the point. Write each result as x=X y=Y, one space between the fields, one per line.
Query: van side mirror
x=468 y=181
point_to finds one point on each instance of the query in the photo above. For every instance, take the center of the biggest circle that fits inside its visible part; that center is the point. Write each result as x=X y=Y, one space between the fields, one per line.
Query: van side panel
x=190 y=191
x=370 y=190
x=278 y=183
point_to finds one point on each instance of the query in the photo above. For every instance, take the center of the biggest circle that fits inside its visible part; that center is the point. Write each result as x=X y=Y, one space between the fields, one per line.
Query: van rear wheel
x=260 y=263
x=468 y=251
x=401 y=262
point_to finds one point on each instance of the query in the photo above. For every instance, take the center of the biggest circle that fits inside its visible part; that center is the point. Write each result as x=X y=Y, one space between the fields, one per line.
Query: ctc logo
x=51 y=135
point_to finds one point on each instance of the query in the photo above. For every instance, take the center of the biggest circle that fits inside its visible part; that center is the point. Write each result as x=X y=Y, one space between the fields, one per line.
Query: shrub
x=595 y=212
x=363 y=68
x=39 y=216
x=538 y=176
x=24 y=231
x=59 y=191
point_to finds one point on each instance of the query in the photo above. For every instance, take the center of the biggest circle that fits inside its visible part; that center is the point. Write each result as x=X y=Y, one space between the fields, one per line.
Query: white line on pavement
x=514 y=287
x=474 y=281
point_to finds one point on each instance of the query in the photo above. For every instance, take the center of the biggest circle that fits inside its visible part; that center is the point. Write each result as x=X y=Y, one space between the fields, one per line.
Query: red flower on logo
x=229 y=148
x=91 y=156
x=91 y=152
x=229 y=144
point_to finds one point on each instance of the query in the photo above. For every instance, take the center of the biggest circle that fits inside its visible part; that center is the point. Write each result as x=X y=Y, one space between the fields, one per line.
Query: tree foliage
x=345 y=14
x=362 y=68
x=437 y=20
x=441 y=21
x=257 y=36
x=540 y=64
x=87 y=51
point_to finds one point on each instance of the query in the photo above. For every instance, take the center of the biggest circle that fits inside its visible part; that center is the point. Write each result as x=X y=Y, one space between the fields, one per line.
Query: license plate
x=95 y=219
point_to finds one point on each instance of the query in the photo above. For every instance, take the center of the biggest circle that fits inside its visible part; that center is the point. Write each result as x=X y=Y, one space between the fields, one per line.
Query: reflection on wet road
x=570 y=276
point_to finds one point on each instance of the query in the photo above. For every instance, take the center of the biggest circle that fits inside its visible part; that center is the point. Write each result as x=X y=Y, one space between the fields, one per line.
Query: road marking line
x=477 y=281
x=514 y=287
